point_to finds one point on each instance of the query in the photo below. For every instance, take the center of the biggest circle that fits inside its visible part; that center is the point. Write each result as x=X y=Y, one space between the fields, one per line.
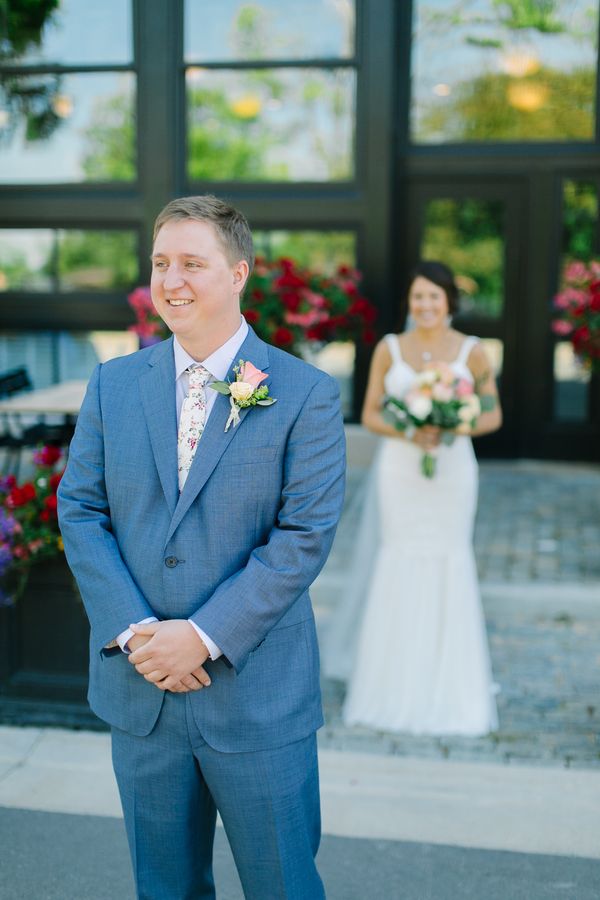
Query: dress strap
x=394 y=347
x=466 y=347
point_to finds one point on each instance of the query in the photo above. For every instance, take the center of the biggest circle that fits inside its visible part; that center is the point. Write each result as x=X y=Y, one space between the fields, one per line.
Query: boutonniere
x=245 y=391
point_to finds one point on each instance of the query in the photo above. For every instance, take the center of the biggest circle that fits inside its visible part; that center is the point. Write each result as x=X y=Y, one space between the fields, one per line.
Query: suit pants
x=172 y=784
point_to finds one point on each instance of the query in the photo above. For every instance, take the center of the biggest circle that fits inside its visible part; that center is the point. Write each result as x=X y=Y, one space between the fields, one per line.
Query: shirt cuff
x=128 y=633
x=213 y=651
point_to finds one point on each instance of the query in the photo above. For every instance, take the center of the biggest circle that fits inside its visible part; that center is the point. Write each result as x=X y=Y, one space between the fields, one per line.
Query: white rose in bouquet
x=419 y=406
x=426 y=378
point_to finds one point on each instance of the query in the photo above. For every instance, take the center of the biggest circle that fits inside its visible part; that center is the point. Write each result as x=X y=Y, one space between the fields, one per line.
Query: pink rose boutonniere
x=245 y=391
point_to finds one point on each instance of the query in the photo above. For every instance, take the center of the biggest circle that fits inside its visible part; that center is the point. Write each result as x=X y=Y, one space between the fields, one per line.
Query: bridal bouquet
x=437 y=397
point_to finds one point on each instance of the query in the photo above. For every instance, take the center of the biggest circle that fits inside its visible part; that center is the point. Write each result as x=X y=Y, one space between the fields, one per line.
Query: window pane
x=270 y=125
x=69 y=260
x=67 y=128
x=322 y=251
x=467 y=235
x=580 y=220
x=62 y=355
x=512 y=71
x=26 y=259
x=571 y=382
x=229 y=30
x=77 y=32
x=96 y=260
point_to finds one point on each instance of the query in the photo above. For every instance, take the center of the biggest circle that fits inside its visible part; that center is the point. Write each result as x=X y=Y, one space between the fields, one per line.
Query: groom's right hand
x=192 y=682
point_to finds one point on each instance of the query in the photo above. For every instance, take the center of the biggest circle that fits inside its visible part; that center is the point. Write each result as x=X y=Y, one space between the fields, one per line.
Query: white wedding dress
x=422 y=662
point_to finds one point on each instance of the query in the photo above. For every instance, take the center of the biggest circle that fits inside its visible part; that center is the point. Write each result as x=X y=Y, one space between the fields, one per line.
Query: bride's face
x=427 y=303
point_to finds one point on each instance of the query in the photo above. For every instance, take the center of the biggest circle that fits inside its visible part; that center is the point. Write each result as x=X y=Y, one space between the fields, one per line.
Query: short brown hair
x=231 y=226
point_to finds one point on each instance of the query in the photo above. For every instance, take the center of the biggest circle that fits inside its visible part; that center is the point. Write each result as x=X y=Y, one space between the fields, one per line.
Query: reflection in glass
x=222 y=30
x=26 y=259
x=270 y=124
x=96 y=260
x=78 y=32
x=321 y=251
x=580 y=220
x=62 y=355
x=82 y=130
x=69 y=260
x=512 y=72
x=571 y=385
x=467 y=235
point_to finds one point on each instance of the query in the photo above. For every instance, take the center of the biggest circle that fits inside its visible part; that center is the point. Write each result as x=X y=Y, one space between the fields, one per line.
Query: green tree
x=28 y=97
x=551 y=105
x=110 y=141
x=90 y=260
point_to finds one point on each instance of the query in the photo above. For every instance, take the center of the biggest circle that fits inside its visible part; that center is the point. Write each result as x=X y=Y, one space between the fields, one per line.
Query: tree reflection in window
x=270 y=124
x=468 y=236
x=36 y=259
x=514 y=70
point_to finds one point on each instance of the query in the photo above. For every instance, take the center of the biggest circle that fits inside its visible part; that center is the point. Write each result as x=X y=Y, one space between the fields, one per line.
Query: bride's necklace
x=427 y=355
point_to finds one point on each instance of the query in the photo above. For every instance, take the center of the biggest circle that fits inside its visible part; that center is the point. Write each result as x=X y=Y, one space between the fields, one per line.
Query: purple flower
x=6 y=558
x=8 y=525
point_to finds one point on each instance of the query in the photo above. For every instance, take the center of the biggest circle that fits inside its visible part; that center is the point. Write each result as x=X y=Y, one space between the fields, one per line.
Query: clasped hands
x=170 y=655
x=428 y=437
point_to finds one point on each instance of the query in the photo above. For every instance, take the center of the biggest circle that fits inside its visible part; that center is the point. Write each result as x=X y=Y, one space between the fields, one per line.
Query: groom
x=194 y=547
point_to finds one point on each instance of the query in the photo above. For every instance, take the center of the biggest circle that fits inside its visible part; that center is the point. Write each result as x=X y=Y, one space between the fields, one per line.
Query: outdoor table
x=64 y=399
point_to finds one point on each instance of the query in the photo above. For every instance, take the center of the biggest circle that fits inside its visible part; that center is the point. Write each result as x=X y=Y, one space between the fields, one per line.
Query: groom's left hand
x=175 y=650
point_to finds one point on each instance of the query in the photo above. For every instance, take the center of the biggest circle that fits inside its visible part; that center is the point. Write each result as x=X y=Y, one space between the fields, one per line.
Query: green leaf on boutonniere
x=268 y=402
x=221 y=386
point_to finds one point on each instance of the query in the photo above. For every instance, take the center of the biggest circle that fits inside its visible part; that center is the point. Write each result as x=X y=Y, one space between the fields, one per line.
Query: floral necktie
x=191 y=421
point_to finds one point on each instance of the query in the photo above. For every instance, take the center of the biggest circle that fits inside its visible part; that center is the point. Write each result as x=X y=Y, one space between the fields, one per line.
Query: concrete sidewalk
x=434 y=829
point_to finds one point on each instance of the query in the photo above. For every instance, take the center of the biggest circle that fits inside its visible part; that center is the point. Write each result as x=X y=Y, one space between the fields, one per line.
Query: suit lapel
x=157 y=390
x=215 y=439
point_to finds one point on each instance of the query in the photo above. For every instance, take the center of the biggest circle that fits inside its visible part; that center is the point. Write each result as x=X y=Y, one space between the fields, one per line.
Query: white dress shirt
x=218 y=364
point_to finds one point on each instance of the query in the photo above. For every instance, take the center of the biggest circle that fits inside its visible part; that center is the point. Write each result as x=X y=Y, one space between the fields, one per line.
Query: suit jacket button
x=171 y=562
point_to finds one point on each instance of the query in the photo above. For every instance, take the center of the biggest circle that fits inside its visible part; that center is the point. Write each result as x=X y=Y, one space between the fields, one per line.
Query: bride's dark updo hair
x=441 y=275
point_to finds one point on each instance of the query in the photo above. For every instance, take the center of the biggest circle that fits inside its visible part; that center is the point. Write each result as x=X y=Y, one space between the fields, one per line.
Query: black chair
x=14 y=436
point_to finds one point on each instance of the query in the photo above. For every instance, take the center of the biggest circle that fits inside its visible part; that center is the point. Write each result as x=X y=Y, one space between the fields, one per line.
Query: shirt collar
x=219 y=362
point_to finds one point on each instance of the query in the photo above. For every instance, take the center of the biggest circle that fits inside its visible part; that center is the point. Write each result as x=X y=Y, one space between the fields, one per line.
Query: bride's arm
x=371 y=416
x=483 y=374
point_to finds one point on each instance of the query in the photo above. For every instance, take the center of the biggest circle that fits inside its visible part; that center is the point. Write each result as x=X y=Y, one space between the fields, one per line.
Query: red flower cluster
x=579 y=311
x=149 y=324
x=28 y=520
x=288 y=306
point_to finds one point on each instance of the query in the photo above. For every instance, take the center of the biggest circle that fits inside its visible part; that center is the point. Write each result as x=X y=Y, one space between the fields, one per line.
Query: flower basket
x=29 y=532
x=44 y=631
x=578 y=311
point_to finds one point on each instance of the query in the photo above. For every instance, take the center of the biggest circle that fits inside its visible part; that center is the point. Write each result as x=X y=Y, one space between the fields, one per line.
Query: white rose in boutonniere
x=245 y=391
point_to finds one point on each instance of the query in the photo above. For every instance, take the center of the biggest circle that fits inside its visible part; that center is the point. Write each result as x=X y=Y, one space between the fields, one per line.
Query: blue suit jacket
x=236 y=551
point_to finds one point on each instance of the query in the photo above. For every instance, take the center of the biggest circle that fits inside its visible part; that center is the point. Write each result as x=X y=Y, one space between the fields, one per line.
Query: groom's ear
x=241 y=271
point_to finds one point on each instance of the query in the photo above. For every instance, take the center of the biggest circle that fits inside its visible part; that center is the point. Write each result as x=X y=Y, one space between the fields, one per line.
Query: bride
x=422 y=662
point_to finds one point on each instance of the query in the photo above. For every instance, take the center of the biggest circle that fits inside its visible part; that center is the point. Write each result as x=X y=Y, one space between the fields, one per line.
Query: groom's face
x=193 y=282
